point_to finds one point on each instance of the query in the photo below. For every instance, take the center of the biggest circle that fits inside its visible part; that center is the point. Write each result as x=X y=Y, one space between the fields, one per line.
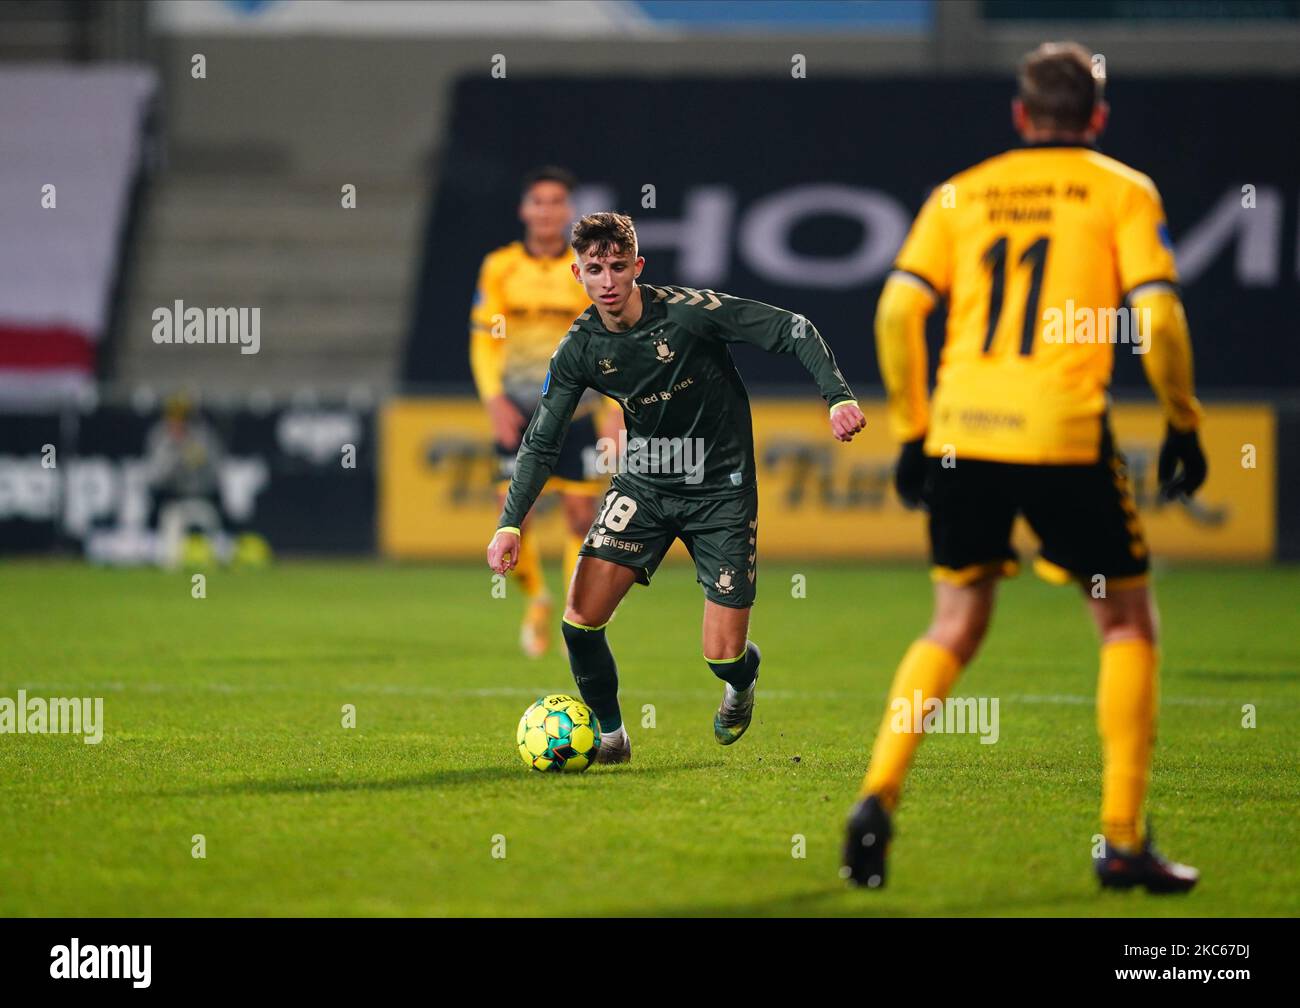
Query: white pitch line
x=395 y=689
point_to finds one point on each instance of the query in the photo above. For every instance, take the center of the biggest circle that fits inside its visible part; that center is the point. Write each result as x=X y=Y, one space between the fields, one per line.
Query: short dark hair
x=1058 y=86
x=549 y=173
x=604 y=232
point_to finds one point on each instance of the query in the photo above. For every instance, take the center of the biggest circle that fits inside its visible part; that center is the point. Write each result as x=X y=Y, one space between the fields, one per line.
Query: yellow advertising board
x=818 y=498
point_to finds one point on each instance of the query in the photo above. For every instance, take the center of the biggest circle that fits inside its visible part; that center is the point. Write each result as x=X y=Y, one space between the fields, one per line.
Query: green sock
x=740 y=671
x=595 y=673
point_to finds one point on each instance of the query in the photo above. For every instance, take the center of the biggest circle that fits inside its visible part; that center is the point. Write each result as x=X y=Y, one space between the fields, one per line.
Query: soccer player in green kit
x=689 y=474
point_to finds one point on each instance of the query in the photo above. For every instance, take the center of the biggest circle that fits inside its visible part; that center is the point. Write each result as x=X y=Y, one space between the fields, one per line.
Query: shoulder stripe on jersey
x=1160 y=283
x=911 y=277
x=706 y=299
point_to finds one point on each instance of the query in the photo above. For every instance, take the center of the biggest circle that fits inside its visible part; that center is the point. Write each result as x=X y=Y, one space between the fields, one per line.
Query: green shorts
x=635 y=527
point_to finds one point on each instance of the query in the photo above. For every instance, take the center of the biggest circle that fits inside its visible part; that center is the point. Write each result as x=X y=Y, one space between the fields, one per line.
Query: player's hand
x=507 y=422
x=846 y=420
x=909 y=475
x=503 y=551
x=1182 y=467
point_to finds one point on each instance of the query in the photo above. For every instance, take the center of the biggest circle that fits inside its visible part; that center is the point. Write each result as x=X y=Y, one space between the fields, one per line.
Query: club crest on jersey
x=726 y=579
x=606 y=366
x=663 y=352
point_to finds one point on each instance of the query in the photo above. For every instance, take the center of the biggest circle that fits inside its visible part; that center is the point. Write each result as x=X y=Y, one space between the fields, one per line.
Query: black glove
x=909 y=476
x=1184 y=480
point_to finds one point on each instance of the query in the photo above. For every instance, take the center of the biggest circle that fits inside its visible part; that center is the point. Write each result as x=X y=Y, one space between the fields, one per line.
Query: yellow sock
x=528 y=569
x=930 y=668
x=572 y=543
x=1126 y=719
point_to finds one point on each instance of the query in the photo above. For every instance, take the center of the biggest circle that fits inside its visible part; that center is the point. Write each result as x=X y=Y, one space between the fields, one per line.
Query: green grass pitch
x=223 y=718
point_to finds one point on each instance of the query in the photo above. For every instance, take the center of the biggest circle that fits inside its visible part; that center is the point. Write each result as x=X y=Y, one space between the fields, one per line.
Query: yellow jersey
x=1035 y=249
x=523 y=306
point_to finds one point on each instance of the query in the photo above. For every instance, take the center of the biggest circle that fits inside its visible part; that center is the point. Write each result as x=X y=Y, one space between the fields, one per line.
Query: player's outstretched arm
x=777 y=330
x=1167 y=360
x=538 y=451
x=904 y=305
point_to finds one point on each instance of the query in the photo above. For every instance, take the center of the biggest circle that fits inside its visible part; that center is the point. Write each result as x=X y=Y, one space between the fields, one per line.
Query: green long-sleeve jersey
x=689 y=429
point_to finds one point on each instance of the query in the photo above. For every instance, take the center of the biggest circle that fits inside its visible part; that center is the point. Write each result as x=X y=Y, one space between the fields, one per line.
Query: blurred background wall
x=230 y=140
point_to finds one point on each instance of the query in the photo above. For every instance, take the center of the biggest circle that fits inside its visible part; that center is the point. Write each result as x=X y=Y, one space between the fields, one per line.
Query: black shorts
x=1083 y=515
x=577 y=461
x=635 y=527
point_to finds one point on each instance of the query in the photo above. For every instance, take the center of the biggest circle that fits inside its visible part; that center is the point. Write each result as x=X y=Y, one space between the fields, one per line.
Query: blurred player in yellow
x=524 y=304
x=1034 y=249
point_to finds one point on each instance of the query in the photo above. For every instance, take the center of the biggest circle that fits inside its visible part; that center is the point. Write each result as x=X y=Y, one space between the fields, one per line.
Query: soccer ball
x=558 y=733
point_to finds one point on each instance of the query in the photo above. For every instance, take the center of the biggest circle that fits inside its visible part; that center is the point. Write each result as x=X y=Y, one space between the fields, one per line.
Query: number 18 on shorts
x=635 y=527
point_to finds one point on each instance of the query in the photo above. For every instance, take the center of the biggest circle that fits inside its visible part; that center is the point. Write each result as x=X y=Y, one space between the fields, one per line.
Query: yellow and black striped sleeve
x=1149 y=276
x=922 y=275
x=927 y=252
